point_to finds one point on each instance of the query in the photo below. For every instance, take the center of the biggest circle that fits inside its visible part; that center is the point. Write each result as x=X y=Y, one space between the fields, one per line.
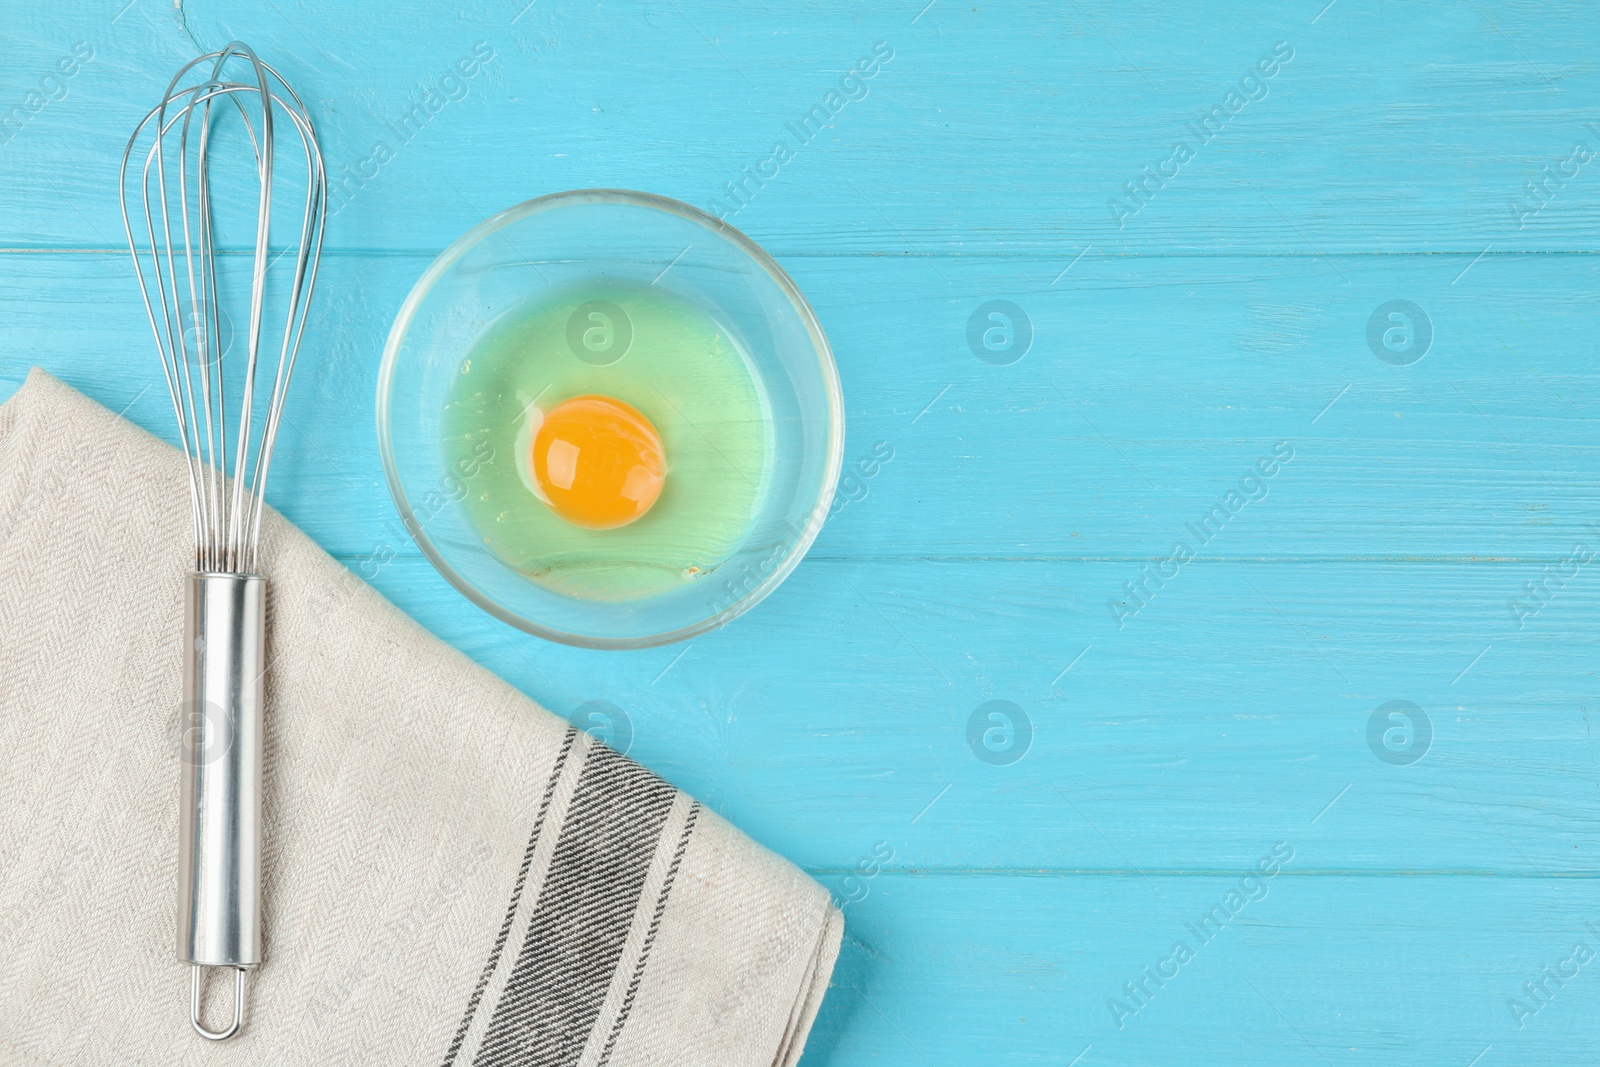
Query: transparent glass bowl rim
x=819 y=341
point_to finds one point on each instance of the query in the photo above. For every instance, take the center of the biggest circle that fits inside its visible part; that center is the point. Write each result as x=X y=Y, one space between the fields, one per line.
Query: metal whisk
x=225 y=606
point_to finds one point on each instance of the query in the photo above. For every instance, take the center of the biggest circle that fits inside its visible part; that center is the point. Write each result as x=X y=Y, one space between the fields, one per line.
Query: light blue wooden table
x=1197 y=500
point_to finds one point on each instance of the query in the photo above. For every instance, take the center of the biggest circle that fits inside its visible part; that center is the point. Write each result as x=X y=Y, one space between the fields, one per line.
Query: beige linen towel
x=454 y=877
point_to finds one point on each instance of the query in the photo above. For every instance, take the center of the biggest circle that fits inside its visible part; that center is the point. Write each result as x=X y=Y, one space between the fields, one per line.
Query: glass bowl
x=553 y=244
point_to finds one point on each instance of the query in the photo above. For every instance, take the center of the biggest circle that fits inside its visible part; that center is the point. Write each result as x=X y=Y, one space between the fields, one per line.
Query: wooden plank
x=839 y=710
x=1319 y=970
x=993 y=129
x=1151 y=390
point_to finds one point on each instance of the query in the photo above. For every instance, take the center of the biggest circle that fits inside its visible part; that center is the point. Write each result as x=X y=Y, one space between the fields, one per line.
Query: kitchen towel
x=454 y=877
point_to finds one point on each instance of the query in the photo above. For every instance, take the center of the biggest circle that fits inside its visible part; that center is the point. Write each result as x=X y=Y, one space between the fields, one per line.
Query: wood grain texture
x=1187 y=714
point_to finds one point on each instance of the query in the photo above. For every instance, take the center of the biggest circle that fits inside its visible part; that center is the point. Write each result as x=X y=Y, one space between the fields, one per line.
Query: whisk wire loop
x=176 y=256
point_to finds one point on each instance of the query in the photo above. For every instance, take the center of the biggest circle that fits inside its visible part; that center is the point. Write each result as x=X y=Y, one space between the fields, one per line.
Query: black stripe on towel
x=585 y=910
x=511 y=909
x=650 y=935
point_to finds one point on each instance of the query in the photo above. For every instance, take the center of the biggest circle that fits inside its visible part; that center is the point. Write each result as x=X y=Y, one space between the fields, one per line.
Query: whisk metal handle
x=219 y=895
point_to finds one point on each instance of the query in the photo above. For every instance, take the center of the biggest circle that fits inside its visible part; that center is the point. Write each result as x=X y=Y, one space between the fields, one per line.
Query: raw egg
x=597 y=462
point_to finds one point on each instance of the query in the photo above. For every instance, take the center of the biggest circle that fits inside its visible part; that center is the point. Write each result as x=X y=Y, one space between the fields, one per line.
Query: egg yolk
x=598 y=462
